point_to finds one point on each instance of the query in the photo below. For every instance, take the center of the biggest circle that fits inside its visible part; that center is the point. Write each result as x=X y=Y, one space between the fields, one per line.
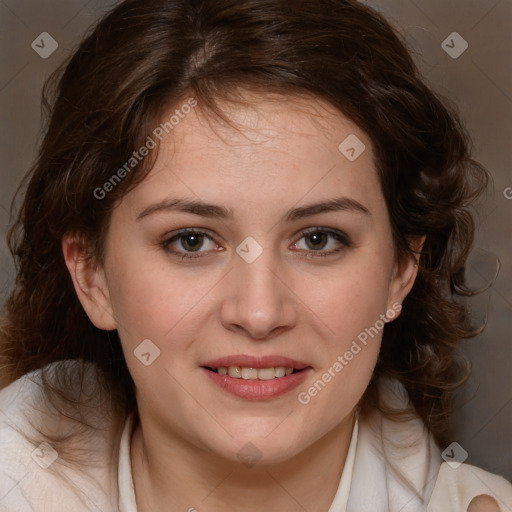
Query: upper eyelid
x=186 y=231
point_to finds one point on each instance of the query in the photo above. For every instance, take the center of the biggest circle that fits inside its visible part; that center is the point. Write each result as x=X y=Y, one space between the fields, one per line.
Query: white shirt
x=36 y=477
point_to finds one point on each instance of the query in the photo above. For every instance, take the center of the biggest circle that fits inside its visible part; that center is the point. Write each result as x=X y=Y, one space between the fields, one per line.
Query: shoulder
x=16 y=422
x=49 y=462
x=16 y=450
x=459 y=486
x=403 y=466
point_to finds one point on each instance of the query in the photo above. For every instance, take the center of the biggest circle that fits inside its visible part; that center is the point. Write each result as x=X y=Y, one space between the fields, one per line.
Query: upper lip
x=247 y=361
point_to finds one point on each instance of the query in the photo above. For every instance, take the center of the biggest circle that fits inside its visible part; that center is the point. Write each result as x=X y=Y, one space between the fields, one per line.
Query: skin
x=284 y=155
x=483 y=503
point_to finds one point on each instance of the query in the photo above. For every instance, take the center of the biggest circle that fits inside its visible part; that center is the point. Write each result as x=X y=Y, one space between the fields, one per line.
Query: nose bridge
x=258 y=301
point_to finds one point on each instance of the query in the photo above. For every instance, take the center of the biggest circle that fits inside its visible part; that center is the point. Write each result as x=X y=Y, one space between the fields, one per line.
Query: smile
x=261 y=377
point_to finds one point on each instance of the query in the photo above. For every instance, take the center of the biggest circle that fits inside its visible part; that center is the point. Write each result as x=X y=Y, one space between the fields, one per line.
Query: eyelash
x=339 y=236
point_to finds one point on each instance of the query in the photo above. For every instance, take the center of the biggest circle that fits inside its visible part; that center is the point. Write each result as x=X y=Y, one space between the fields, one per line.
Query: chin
x=260 y=452
x=257 y=448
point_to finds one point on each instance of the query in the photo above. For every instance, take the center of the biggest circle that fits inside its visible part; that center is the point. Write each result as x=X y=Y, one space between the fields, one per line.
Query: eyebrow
x=220 y=212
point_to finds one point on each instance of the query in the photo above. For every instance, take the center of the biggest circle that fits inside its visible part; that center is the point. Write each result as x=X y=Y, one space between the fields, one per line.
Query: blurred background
x=463 y=48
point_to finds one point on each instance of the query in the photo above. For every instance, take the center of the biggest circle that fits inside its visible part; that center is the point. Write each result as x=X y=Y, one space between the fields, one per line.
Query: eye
x=317 y=239
x=191 y=241
x=188 y=243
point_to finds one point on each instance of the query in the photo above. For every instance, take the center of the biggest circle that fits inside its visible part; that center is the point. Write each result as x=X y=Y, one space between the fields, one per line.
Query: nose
x=259 y=302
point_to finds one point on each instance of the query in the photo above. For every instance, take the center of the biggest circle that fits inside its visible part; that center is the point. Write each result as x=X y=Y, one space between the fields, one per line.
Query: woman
x=239 y=255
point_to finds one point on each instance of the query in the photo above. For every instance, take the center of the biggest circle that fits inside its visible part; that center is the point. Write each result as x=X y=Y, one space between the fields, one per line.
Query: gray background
x=479 y=81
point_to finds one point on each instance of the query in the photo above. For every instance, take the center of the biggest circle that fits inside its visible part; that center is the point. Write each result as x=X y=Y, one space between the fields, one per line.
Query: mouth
x=256 y=378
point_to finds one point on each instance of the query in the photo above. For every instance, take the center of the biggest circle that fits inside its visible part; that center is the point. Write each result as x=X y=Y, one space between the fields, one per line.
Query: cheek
x=150 y=304
x=154 y=300
x=139 y=296
x=351 y=300
x=350 y=307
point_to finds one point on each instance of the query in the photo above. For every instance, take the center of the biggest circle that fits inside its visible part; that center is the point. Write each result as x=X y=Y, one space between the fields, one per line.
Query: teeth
x=280 y=371
x=238 y=372
x=249 y=373
x=266 y=373
x=235 y=371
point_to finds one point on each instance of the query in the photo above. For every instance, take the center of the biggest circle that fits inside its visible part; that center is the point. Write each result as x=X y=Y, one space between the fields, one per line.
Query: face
x=260 y=279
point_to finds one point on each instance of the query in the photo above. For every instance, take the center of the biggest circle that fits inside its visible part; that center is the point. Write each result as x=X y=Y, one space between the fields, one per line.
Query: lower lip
x=258 y=389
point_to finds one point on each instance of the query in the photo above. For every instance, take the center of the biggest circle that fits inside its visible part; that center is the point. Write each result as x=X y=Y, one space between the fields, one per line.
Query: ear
x=404 y=274
x=89 y=282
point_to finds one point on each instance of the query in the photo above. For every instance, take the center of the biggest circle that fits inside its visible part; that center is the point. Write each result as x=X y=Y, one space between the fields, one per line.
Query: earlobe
x=89 y=282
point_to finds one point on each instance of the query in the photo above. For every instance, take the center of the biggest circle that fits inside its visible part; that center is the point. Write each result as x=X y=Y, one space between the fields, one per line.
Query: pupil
x=318 y=238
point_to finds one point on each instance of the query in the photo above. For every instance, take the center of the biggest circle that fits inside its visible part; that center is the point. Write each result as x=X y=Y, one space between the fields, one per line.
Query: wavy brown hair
x=144 y=57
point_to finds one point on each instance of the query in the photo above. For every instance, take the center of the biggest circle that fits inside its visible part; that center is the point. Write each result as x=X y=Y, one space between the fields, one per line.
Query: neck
x=173 y=474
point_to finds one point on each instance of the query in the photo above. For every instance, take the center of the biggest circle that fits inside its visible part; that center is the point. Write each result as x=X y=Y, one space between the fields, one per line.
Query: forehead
x=268 y=123
x=275 y=147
